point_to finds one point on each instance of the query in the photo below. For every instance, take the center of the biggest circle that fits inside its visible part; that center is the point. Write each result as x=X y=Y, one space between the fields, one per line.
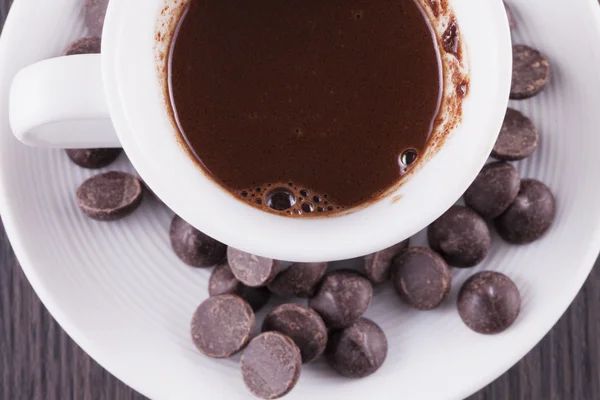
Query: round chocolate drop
x=494 y=189
x=193 y=247
x=518 y=137
x=422 y=278
x=489 y=302
x=342 y=298
x=222 y=281
x=110 y=196
x=358 y=350
x=531 y=72
x=93 y=158
x=271 y=365
x=377 y=265
x=460 y=236
x=88 y=45
x=299 y=279
x=94 y=12
x=511 y=18
x=251 y=270
x=222 y=325
x=530 y=216
x=303 y=325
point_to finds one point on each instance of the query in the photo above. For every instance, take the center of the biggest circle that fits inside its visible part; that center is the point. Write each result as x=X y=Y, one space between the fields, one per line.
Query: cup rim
x=135 y=106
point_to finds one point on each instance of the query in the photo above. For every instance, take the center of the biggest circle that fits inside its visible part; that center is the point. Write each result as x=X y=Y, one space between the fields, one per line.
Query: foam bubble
x=289 y=199
x=408 y=157
x=280 y=199
x=307 y=207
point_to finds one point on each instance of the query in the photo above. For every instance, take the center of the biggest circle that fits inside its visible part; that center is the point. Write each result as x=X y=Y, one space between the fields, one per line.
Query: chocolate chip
x=222 y=281
x=342 y=298
x=377 y=265
x=251 y=270
x=518 y=137
x=489 y=302
x=531 y=72
x=530 y=216
x=421 y=278
x=303 y=325
x=89 y=45
x=510 y=16
x=110 y=196
x=358 y=350
x=193 y=247
x=147 y=188
x=494 y=189
x=93 y=158
x=222 y=325
x=271 y=365
x=94 y=12
x=299 y=279
x=460 y=236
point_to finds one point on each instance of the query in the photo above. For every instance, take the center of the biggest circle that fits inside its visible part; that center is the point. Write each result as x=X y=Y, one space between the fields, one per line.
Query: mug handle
x=61 y=103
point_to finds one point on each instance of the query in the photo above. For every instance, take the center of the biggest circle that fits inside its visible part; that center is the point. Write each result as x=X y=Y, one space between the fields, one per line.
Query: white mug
x=118 y=99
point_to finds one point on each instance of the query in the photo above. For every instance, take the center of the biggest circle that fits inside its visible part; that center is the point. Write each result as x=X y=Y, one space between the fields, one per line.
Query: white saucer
x=120 y=292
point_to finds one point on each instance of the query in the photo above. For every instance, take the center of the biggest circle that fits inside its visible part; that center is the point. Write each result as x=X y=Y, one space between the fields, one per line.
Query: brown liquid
x=324 y=96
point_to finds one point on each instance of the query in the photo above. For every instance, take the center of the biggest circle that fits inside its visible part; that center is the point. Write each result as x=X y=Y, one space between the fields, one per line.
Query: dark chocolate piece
x=518 y=137
x=89 y=45
x=222 y=281
x=110 y=196
x=299 y=279
x=489 y=302
x=530 y=216
x=494 y=189
x=94 y=12
x=251 y=270
x=147 y=188
x=271 y=365
x=222 y=325
x=303 y=325
x=377 y=265
x=460 y=236
x=421 y=278
x=193 y=247
x=531 y=72
x=93 y=158
x=511 y=17
x=342 y=298
x=358 y=350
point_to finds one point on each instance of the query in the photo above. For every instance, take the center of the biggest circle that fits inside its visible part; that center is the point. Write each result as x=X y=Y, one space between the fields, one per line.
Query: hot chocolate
x=305 y=107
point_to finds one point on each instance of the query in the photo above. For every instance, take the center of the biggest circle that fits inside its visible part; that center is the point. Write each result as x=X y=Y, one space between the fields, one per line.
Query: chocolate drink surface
x=305 y=107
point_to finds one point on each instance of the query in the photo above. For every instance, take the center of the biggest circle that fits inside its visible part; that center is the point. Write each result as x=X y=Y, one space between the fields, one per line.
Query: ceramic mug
x=118 y=99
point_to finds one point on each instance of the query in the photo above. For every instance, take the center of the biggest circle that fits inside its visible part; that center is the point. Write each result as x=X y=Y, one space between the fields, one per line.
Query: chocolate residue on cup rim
x=436 y=6
x=455 y=87
x=451 y=39
x=456 y=82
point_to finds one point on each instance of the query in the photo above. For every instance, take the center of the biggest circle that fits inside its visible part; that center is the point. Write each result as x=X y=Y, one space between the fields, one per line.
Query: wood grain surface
x=38 y=361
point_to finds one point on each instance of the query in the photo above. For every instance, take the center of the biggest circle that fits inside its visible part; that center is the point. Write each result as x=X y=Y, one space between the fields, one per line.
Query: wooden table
x=38 y=361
